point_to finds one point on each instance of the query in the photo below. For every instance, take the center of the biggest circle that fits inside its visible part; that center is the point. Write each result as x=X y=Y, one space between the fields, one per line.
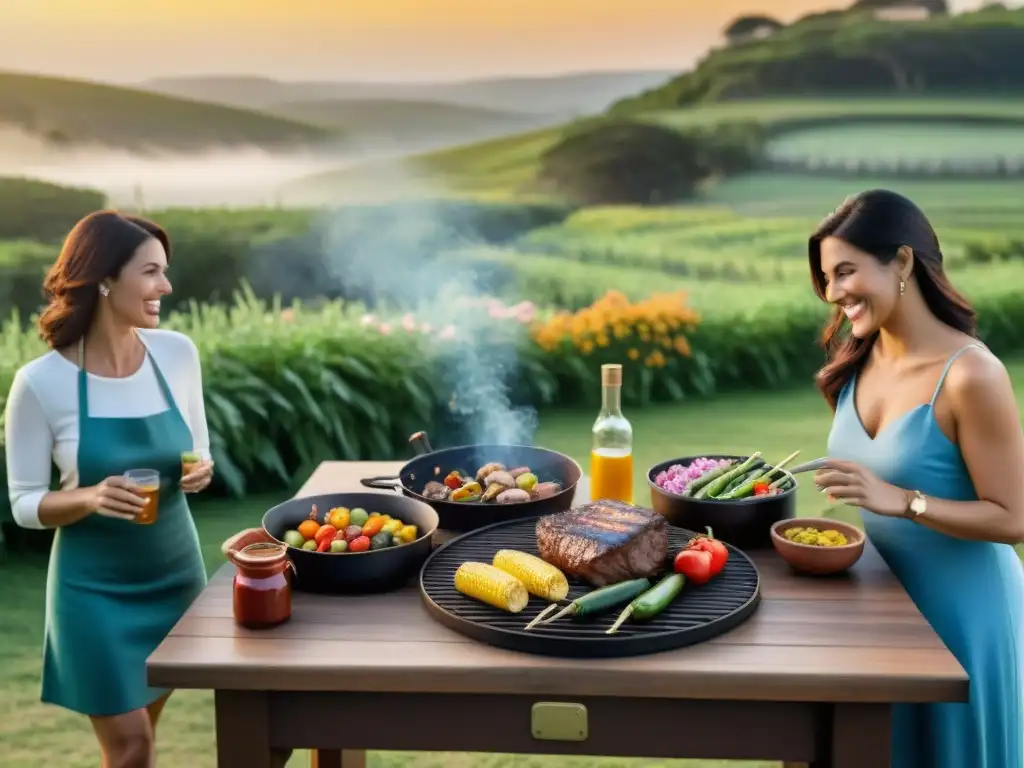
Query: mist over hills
x=564 y=95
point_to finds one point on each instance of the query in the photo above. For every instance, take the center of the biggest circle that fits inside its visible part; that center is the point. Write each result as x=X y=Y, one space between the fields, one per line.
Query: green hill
x=68 y=112
x=851 y=53
x=407 y=120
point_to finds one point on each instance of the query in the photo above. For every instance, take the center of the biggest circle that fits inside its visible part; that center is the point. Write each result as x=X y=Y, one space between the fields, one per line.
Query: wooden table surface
x=851 y=639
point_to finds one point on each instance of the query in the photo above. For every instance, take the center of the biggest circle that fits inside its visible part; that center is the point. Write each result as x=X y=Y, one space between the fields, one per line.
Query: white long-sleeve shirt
x=41 y=426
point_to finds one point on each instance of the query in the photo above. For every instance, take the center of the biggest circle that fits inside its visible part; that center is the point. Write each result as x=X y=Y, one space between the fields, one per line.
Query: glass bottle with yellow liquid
x=611 y=443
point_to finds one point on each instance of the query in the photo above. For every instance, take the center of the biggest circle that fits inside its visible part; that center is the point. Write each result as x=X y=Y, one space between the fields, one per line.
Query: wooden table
x=810 y=678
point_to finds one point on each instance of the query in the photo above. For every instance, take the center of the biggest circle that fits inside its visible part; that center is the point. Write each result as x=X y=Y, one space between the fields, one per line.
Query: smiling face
x=135 y=295
x=860 y=284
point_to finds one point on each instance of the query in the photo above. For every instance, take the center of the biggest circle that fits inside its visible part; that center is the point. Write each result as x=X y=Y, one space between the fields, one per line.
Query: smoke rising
x=395 y=256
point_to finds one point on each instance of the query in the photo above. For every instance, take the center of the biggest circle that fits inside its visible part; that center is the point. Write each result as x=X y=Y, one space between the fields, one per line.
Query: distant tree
x=622 y=161
x=746 y=26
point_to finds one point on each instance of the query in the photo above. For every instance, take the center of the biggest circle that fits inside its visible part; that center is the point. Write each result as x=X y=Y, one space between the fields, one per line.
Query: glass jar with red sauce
x=262 y=586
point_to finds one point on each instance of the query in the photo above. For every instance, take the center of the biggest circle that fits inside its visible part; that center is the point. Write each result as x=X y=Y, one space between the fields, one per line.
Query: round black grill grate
x=699 y=613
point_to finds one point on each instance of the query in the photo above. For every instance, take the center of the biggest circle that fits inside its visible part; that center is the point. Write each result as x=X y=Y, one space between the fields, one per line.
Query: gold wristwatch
x=918 y=506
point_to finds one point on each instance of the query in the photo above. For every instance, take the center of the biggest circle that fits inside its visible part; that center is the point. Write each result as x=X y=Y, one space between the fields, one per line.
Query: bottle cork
x=611 y=375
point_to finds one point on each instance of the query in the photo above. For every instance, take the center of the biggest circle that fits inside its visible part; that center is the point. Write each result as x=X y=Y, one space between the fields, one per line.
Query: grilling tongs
x=808 y=466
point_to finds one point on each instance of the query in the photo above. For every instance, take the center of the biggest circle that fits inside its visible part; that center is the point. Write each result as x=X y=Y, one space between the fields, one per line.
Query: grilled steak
x=604 y=542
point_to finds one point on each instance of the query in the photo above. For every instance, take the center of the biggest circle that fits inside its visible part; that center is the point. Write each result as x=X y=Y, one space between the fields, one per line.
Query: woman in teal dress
x=927 y=442
x=113 y=394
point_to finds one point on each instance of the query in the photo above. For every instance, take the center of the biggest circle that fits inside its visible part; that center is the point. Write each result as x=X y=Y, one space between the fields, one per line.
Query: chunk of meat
x=604 y=542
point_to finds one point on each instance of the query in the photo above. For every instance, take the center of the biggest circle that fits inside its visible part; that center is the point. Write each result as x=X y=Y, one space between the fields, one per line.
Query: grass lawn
x=32 y=734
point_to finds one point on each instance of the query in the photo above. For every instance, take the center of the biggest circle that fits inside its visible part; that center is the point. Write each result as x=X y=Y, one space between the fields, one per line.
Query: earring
x=104 y=291
x=903 y=286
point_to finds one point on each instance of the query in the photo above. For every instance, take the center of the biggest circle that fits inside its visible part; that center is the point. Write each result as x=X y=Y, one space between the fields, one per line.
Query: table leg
x=861 y=736
x=336 y=758
x=243 y=731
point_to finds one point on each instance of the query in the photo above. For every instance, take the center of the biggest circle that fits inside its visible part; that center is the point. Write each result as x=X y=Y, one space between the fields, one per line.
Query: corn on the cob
x=539 y=577
x=491 y=585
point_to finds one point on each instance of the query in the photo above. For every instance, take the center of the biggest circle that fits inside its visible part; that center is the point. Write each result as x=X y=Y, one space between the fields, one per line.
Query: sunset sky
x=118 y=40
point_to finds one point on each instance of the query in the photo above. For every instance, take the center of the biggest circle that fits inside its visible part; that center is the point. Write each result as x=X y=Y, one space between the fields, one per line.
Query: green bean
x=715 y=487
x=748 y=487
x=699 y=482
x=744 y=478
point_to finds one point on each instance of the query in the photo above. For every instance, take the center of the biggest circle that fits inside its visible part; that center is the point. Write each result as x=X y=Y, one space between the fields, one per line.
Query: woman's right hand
x=116 y=497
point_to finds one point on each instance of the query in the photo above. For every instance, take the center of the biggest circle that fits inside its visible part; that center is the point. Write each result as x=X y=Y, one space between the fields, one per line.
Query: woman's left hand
x=198 y=478
x=854 y=485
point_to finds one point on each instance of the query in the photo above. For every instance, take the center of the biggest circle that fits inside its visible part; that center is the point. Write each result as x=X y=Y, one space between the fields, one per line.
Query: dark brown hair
x=879 y=223
x=96 y=249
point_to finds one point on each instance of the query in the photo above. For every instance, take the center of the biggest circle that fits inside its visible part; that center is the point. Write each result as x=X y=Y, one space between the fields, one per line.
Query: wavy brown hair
x=96 y=249
x=880 y=222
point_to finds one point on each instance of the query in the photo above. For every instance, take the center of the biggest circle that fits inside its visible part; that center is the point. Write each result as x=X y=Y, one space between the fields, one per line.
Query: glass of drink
x=148 y=481
x=189 y=461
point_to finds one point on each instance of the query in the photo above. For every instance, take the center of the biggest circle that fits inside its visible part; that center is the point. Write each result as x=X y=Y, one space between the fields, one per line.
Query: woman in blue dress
x=927 y=442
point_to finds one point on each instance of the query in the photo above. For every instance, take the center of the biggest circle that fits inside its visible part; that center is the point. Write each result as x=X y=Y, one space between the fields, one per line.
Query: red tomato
x=694 y=564
x=324 y=545
x=708 y=543
x=359 y=544
x=761 y=489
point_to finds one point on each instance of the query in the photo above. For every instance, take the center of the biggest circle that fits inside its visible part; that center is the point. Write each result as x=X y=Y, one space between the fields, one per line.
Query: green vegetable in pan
x=748 y=487
x=716 y=486
x=697 y=483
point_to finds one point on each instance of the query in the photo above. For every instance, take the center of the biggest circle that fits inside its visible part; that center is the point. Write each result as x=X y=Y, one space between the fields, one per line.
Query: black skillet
x=548 y=465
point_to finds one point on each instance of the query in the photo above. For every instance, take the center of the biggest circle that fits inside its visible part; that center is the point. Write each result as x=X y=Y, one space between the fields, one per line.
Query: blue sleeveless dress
x=971 y=592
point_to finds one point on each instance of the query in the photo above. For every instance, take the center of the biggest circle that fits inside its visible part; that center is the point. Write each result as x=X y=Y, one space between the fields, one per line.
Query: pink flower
x=384 y=328
x=497 y=312
x=409 y=323
x=448 y=332
x=367 y=320
x=287 y=315
x=524 y=312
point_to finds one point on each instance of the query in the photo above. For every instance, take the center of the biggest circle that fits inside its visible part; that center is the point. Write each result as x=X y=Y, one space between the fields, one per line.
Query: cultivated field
x=501 y=168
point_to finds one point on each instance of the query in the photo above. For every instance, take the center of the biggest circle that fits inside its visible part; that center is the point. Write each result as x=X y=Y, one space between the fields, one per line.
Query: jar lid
x=262 y=553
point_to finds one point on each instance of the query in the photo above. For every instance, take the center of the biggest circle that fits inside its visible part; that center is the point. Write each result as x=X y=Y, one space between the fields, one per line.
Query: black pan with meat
x=433 y=466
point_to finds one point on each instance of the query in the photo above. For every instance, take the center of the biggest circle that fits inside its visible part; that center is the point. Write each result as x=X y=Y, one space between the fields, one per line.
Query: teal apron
x=115 y=588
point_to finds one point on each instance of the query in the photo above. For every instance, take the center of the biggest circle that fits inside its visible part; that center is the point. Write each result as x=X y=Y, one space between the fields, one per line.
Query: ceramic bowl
x=815 y=560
